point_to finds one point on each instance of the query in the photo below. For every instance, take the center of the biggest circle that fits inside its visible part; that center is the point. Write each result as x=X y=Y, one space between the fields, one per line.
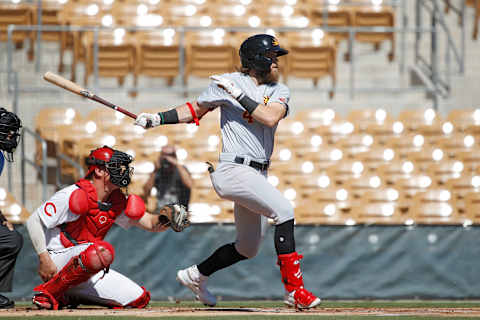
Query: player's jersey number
x=247 y=116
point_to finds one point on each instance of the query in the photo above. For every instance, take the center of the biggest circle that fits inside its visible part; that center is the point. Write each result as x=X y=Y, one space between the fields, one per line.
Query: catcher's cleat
x=193 y=279
x=44 y=300
x=301 y=299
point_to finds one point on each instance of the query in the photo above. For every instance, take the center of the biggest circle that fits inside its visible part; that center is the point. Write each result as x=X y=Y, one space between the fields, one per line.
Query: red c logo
x=102 y=219
x=46 y=210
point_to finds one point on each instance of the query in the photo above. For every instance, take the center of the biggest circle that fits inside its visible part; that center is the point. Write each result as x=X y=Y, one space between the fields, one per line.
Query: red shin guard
x=140 y=302
x=290 y=270
x=79 y=269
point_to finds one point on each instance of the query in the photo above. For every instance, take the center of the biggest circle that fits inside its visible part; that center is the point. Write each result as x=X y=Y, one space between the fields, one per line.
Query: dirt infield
x=213 y=312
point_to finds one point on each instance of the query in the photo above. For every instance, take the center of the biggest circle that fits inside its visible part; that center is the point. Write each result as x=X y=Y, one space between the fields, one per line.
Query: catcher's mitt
x=175 y=215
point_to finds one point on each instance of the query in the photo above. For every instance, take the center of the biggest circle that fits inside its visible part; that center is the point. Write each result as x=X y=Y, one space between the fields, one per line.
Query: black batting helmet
x=253 y=50
x=10 y=125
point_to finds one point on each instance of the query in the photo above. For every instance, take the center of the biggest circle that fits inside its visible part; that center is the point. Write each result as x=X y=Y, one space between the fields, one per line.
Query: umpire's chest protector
x=94 y=225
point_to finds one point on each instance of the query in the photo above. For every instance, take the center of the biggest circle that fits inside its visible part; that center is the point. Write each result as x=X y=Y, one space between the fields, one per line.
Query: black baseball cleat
x=6 y=303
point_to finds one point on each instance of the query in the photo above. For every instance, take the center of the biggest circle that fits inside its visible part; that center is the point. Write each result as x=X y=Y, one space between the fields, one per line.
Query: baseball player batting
x=252 y=102
x=67 y=232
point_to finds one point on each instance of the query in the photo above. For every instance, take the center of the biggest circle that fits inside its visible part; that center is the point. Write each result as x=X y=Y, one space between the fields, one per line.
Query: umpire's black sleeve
x=11 y=243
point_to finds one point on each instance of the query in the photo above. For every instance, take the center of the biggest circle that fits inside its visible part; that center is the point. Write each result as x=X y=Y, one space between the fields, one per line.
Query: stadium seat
x=460 y=187
x=312 y=118
x=312 y=54
x=374 y=157
x=424 y=158
x=106 y=118
x=276 y=15
x=11 y=208
x=355 y=144
x=345 y=169
x=47 y=123
x=410 y=186
x=293 y=170
x=116 y=54
x=207 y=53
x=141 y=13
x=333 y=132
x=472 y=207
x=332 y=16
x=369 y=16
x=385 y=131
x=149 y=145
x=464 y=118
x=157 y=55
x=234 y=13
x=435 y=207
x=321 y=213
x=309 y=185
x=323 y=157
x=338 y=196
x=444 y=170
x=143 y=169
x=456 y=143
x=394 y=170
x=362 y=118
x=414 y=118
x=470 y=159
x=358 y=186
x=73 y=133
x=288 y=131
x=180 y=13
x=282 y=154
x=82 y=13
x=18 y=14
x=405 y=144
x=202 y=148
x=379 y=206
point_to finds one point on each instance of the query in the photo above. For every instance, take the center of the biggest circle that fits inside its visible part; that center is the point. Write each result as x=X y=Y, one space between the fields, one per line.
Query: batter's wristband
x=194 y=114
x=249 y=104
x=169 y=117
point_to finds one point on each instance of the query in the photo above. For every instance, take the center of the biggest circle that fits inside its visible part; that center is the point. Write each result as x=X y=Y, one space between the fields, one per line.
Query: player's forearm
x=37 y=235
x=185 y=176
x=267 y=115
x=150 y=222
x=185 y=114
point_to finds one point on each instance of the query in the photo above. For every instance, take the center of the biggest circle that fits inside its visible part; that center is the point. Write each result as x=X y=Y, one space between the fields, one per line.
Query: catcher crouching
x=67 y=232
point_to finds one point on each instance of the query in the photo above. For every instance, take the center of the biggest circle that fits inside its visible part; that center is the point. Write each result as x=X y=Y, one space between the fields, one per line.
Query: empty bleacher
x=346 y=179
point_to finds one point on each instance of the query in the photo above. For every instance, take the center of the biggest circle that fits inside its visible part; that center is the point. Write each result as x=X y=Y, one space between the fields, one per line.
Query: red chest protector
x=93 y=225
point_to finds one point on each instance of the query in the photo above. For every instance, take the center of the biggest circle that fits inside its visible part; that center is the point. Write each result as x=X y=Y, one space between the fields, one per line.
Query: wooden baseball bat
x=75 y=88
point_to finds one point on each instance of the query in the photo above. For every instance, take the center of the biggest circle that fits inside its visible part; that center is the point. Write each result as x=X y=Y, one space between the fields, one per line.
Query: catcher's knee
x=98 y=256
x=140 y=302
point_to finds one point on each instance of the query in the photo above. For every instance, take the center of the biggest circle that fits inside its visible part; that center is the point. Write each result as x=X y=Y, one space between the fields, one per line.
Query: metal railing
x=42 y=170
x=429 y=68
x=352 y=31
x=58 y=171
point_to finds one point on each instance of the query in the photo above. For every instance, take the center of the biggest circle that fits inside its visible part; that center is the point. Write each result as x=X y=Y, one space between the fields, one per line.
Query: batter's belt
x=258 y=165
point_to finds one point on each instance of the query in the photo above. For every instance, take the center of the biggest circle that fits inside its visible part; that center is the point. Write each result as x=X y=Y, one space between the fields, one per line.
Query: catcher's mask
x=10 y=125
x=254 y=49
x=116 y=162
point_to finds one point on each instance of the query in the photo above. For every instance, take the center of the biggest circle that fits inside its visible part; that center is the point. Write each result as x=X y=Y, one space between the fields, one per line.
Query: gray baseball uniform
x=247 y=140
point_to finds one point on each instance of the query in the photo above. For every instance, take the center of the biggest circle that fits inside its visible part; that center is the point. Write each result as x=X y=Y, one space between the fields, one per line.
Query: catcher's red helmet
x=116 y=162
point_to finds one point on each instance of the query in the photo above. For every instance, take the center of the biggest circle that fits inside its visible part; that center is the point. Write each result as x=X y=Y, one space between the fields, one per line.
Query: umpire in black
x=11 y=241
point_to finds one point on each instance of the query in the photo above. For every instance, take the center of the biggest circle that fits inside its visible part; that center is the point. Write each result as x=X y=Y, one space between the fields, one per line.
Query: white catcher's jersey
x=55 y=212
x=241 y=134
